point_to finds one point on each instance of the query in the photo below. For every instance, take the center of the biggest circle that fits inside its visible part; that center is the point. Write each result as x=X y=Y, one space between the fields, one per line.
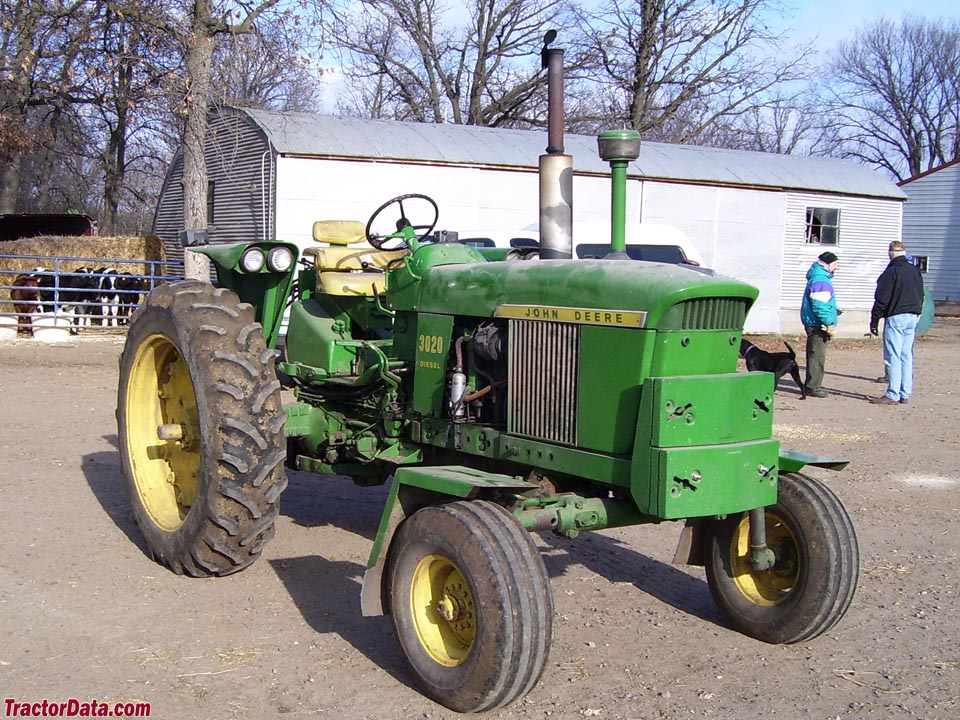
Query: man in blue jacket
x=899 y=300
x=818 y=313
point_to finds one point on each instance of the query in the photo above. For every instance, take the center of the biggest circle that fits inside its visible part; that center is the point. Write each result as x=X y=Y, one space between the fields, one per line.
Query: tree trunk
x=112 y=183
x=199 y=60
x=11 y=184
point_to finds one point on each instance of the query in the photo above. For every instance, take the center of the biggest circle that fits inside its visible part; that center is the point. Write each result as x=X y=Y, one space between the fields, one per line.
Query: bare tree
x=425 y=61
x=895 y=91
x=197 y=25
x=267 y=68
x=683 y=70
x=125 y=66
x=39 y=40
x=788 y=125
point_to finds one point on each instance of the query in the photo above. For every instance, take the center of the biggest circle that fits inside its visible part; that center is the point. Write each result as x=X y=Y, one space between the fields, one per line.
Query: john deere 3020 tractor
x=496 y=397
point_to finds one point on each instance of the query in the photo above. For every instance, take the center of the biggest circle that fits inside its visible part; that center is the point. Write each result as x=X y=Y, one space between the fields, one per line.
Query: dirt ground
x=84 y=612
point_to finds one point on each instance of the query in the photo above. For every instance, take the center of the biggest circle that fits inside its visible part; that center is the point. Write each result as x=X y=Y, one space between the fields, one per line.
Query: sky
x=830 y=21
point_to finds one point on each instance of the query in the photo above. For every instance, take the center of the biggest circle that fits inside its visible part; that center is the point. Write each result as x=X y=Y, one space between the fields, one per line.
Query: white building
x=753 y=216
x=931 y=228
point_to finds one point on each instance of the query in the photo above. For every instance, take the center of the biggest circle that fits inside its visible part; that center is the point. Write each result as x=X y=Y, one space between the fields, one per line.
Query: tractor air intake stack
x=556 y=168
x=618 y=147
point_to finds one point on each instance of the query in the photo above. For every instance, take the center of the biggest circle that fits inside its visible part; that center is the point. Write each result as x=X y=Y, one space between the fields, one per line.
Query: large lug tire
x=200 y=429
x=471 y=604
x=815 y=576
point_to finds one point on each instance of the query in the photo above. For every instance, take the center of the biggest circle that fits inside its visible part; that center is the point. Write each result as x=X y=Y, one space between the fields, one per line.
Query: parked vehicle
x=651 y=242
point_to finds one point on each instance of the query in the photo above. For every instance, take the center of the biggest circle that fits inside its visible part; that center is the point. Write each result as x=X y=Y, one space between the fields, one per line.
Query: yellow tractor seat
x=345 y=270
x=339 y=232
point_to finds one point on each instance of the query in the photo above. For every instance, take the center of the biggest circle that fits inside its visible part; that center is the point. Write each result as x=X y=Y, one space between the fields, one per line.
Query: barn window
x=823 y=226
x=210 y=203
x=922 y=262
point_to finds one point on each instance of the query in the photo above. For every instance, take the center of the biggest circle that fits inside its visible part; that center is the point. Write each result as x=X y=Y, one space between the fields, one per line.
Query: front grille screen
x=542 y=380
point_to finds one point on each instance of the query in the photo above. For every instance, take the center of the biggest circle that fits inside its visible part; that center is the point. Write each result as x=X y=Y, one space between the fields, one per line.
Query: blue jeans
x=899 y=332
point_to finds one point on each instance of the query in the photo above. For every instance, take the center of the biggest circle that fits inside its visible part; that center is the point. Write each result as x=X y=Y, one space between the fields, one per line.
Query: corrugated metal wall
x=867 y=226
x=168 y=218
x=241 y=168
x=931 y=227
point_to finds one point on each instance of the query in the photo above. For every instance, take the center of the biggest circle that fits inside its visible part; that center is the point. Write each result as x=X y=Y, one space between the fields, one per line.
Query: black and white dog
x=778 y=363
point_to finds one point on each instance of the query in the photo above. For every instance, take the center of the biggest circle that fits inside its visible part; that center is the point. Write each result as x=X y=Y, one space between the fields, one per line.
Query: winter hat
x=827 y=258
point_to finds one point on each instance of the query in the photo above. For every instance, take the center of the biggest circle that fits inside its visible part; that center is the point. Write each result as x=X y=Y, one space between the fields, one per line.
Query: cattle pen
x=90 y=293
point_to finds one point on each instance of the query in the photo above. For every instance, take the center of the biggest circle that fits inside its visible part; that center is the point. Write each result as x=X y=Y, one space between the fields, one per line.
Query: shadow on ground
x=105 y=478
x=616 y=562
x=327 y=594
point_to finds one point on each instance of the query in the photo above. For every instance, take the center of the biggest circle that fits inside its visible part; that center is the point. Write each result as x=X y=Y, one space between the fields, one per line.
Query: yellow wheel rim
x=161 y=403
x=442 y=608
x=766 y=587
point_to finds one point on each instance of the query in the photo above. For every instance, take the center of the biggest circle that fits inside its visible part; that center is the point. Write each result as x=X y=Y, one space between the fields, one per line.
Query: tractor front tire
x=817 y=567
x=200 y=428
x=471 y=604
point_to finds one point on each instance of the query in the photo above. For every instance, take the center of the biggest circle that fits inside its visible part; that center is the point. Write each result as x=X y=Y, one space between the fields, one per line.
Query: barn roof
x=292 y=133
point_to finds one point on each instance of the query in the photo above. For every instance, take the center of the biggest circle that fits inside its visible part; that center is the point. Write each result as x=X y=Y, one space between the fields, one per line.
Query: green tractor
x=496 y=397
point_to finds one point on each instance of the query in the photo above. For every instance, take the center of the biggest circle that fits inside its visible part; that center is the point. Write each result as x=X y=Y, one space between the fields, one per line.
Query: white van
x=652 y=242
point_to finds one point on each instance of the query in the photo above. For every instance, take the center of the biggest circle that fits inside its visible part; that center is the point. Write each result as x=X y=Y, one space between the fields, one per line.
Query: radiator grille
x=712 y=314
x=542 y=380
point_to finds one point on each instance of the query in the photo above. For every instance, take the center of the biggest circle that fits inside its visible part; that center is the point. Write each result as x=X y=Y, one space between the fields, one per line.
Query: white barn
x=931 y=228
x=753 y=216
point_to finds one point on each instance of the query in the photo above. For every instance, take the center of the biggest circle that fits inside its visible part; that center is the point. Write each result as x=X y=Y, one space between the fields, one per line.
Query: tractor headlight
x=280 y=259
x=253 y=260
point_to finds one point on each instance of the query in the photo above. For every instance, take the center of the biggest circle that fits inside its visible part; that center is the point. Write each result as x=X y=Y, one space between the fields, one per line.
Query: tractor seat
x=345 y=270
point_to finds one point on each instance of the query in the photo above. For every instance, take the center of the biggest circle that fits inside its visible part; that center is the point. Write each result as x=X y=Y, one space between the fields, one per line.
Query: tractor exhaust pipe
x=556 y=168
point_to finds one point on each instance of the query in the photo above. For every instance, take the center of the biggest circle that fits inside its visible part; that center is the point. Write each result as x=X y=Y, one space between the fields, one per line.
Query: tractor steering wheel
x=378 y=240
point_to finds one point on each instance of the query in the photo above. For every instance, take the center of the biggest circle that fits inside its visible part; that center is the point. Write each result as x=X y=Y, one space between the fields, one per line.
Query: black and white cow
x=109 y=297
x=79 y=292
x=130 y=288
x=47 y=284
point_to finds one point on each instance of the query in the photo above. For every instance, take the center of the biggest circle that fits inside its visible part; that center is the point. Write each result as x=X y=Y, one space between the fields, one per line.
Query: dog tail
x=792 y=353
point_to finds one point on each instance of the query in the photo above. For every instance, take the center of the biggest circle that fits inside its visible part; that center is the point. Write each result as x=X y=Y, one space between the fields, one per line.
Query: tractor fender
x=412 y=489
x=793 y=461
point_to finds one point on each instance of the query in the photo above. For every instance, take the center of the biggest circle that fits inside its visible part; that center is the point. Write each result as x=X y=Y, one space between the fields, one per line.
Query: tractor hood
x=654 y=295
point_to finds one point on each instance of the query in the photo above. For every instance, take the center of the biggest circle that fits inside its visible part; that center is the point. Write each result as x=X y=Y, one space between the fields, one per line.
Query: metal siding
x=310 y=189
x=349 y=137
x=738 y=231
x=931 y=227
x=750 y=228
x=168 y=218
x=234 y=153
x=867 y=226
x=239 y=165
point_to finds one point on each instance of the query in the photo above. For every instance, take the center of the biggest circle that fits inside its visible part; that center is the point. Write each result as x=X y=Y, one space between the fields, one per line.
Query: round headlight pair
x=280 y=259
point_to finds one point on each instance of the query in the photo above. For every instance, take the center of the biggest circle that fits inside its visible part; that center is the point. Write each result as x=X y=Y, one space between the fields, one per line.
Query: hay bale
x=98 y=251
x=91 y=247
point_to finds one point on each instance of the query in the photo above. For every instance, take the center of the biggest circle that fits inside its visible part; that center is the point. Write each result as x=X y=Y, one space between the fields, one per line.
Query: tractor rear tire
x=471 y=604
x=815 y=576
x=200 y=427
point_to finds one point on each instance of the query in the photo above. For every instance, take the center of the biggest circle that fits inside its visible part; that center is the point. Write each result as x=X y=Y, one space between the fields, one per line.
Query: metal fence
x=71 y=288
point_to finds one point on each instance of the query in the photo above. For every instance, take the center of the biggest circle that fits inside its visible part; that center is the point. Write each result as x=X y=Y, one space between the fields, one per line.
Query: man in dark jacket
x=899 y=301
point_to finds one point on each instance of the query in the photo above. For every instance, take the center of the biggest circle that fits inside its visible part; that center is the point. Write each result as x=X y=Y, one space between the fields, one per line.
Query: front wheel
x=471 y=604
x=201 y=429
x=815 y=575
